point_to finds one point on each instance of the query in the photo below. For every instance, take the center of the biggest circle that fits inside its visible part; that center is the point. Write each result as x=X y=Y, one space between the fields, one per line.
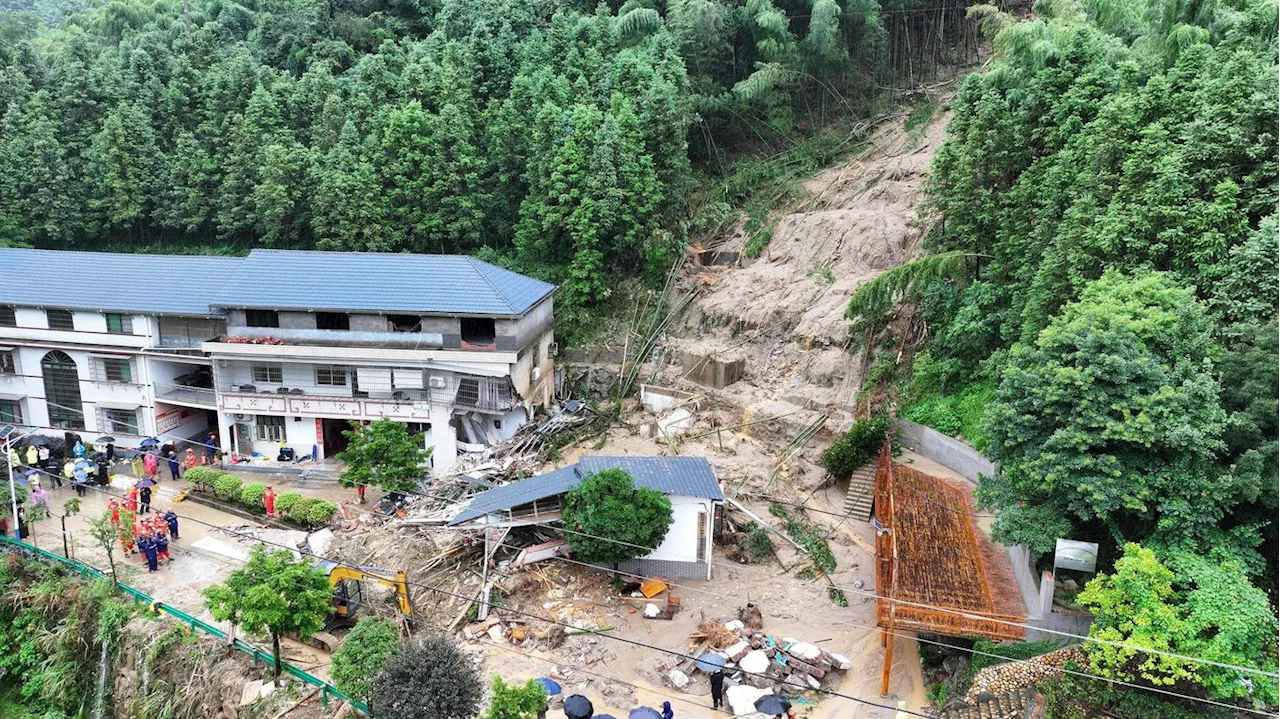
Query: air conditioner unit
x=536 y=374
x=553 y=349
x=436 y=382
x=224 y=363
x=244 y=417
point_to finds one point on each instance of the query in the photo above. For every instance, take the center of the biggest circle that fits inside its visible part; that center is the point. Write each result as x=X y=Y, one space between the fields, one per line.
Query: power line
x=902 y=602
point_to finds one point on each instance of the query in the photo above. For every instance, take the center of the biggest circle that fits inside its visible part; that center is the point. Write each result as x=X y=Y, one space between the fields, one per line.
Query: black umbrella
x=644 y=713
x=773 y=705
x=105 y=439
x=41 y=440
x=578 y=707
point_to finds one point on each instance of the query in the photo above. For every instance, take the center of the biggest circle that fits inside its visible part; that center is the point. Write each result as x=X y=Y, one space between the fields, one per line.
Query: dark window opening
x=62 y=391
x=405 y=323
x=8 y=362
x=478 y=332
x=60 y=319
x=10 y=412
x=262 y=318
x=117 y=370
x=333 y=321
x=8 y=318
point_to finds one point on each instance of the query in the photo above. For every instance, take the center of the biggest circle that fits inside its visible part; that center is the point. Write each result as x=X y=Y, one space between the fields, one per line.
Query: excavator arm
x=398 y=581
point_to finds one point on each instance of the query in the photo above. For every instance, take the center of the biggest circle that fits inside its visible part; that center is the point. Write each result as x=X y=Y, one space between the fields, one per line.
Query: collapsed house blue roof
x=686 y=476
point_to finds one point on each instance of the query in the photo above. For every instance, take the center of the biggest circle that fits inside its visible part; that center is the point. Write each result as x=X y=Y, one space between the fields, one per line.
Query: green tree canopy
x=276 y=593
x=362 y=654
x=430 y=678
x=612 y=520
x=383 y=454
x=516 y=701
x=1111 y=415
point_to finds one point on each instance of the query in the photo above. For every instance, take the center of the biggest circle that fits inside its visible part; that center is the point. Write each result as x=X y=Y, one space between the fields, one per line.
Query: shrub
x=365 y=650
x=320 y=513
x=202 y=477
x=285 y=501
x=516 y=701
x=251 y=495
x=857 y=447
x=227 y=487
x=301 y=509
x=431 y=678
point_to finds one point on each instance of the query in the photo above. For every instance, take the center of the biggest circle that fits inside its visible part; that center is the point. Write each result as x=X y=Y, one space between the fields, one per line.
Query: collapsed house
x=689 y=482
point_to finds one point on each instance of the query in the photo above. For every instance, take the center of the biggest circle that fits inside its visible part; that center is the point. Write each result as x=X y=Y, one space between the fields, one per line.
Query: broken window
x=333 y=321
x=262 y=318
x=478 y=332
x=405 y=323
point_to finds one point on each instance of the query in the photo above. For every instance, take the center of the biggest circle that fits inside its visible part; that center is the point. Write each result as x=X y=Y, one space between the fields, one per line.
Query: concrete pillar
x=1046 y=594
x=444 y=444
x=224 y=433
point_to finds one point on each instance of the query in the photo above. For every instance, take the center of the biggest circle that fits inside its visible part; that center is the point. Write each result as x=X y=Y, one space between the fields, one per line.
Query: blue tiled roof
x=379 y=282
x=687 y=476
x=106 y=281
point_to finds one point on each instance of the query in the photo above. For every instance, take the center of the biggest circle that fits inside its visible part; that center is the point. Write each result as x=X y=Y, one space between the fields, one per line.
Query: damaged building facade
x=287 y=347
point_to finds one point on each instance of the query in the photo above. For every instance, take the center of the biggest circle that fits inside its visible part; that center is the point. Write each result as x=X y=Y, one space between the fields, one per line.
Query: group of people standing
x=148 y=536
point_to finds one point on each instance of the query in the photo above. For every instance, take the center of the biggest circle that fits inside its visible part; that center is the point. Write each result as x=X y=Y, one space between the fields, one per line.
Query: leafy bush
x=365 y=650
x=758 y=545
x=227 y=487
x=202 y=477
x=319 y=514
x=285 y=502
x=857 y=447
x=431 y=678
x=251 y=495
x=516 y=701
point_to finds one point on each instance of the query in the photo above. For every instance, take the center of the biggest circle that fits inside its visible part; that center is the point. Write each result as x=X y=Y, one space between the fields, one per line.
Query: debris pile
x=757 y=659
x=1006 y=678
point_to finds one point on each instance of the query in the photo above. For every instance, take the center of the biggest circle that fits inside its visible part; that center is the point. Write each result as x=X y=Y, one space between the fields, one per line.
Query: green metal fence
x=86 y=571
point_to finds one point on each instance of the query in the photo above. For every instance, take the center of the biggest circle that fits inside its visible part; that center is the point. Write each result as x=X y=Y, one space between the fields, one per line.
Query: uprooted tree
x=610 y=520
x=274 y=593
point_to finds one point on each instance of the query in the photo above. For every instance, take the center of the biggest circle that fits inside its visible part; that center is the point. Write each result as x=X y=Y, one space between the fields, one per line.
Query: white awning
x=407 y=378
x=374 y=378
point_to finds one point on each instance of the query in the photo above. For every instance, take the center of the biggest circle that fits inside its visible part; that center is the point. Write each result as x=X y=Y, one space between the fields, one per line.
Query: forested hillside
x=1099 y=314
x=558 y=134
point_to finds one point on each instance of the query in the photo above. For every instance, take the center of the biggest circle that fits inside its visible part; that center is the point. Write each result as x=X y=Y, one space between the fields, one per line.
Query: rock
x=754 y=662
x=651 y=610
x=737 y=651
x=1070 y=585
x=250 y=693
x=267 y=690
x=319 y=542
x=813 y=683
x=840 y=661
x=804 y=650
x=678 y=679
x=734 y=625
x=742 y=699
x=497 y=632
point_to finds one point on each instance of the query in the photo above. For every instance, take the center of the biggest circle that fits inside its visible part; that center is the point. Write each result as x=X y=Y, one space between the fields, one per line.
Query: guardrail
x=139 y=597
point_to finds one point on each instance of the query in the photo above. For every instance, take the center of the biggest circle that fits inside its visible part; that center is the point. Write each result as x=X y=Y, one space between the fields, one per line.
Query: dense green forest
x=556 y=135
x=1099 y=315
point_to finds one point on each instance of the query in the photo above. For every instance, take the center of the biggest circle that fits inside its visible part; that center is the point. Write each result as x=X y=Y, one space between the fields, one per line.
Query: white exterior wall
x=681 y=542
x=94 y=393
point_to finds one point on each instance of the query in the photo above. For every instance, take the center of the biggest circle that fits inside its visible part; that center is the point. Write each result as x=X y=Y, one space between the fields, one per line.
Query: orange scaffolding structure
x=930 y=552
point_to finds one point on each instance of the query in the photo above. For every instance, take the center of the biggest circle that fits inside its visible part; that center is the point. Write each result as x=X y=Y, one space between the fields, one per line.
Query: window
x=62 y=390
x=405 y=323
x=270 y=429
x=478 y=331
x=117 y=370
x=121 y=421
x=60 y=319
x=10 y=411
x=268 y=373
x=118 y=324
x=334 y=376
x=262 y=318
x=333 y=321
x=9 y=362
x=7 y=317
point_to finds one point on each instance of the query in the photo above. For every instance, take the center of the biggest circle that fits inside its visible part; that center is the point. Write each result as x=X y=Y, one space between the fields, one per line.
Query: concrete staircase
x=857 y=501
x=1018 y=704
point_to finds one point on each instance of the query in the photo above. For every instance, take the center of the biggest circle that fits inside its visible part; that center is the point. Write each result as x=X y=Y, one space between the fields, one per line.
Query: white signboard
x=1080 y=556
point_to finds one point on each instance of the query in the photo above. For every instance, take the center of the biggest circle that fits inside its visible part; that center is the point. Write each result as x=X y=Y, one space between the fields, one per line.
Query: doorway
x=334 y=440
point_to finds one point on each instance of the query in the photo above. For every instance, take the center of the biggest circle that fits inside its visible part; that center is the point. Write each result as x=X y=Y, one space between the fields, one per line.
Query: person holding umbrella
x=773 y=704
x=578 y=707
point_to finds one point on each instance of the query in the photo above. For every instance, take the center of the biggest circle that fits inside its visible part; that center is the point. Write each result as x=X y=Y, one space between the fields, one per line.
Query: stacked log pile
x=1009 y=677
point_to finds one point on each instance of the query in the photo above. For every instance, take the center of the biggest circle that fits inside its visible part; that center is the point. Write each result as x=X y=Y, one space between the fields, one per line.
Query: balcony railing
x=485 y=394
x=183 y=394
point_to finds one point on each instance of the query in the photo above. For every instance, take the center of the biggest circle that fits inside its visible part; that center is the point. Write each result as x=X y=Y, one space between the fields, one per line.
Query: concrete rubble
x=786 y=664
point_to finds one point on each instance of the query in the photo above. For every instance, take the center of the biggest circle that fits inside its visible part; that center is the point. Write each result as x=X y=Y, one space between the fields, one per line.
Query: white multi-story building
x=279 y=346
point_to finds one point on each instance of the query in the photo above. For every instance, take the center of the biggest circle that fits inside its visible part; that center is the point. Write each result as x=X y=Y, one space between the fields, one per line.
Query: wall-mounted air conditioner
x=536 y=374
x=244 y=417
x=553 y=349
x=437 y=382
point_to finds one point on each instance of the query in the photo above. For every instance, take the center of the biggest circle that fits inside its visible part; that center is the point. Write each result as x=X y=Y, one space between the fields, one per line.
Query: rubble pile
x=1009 y=677
x=766 y=662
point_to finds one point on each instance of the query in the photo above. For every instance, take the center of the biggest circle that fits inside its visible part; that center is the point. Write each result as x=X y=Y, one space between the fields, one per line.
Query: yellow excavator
x=347 y=583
